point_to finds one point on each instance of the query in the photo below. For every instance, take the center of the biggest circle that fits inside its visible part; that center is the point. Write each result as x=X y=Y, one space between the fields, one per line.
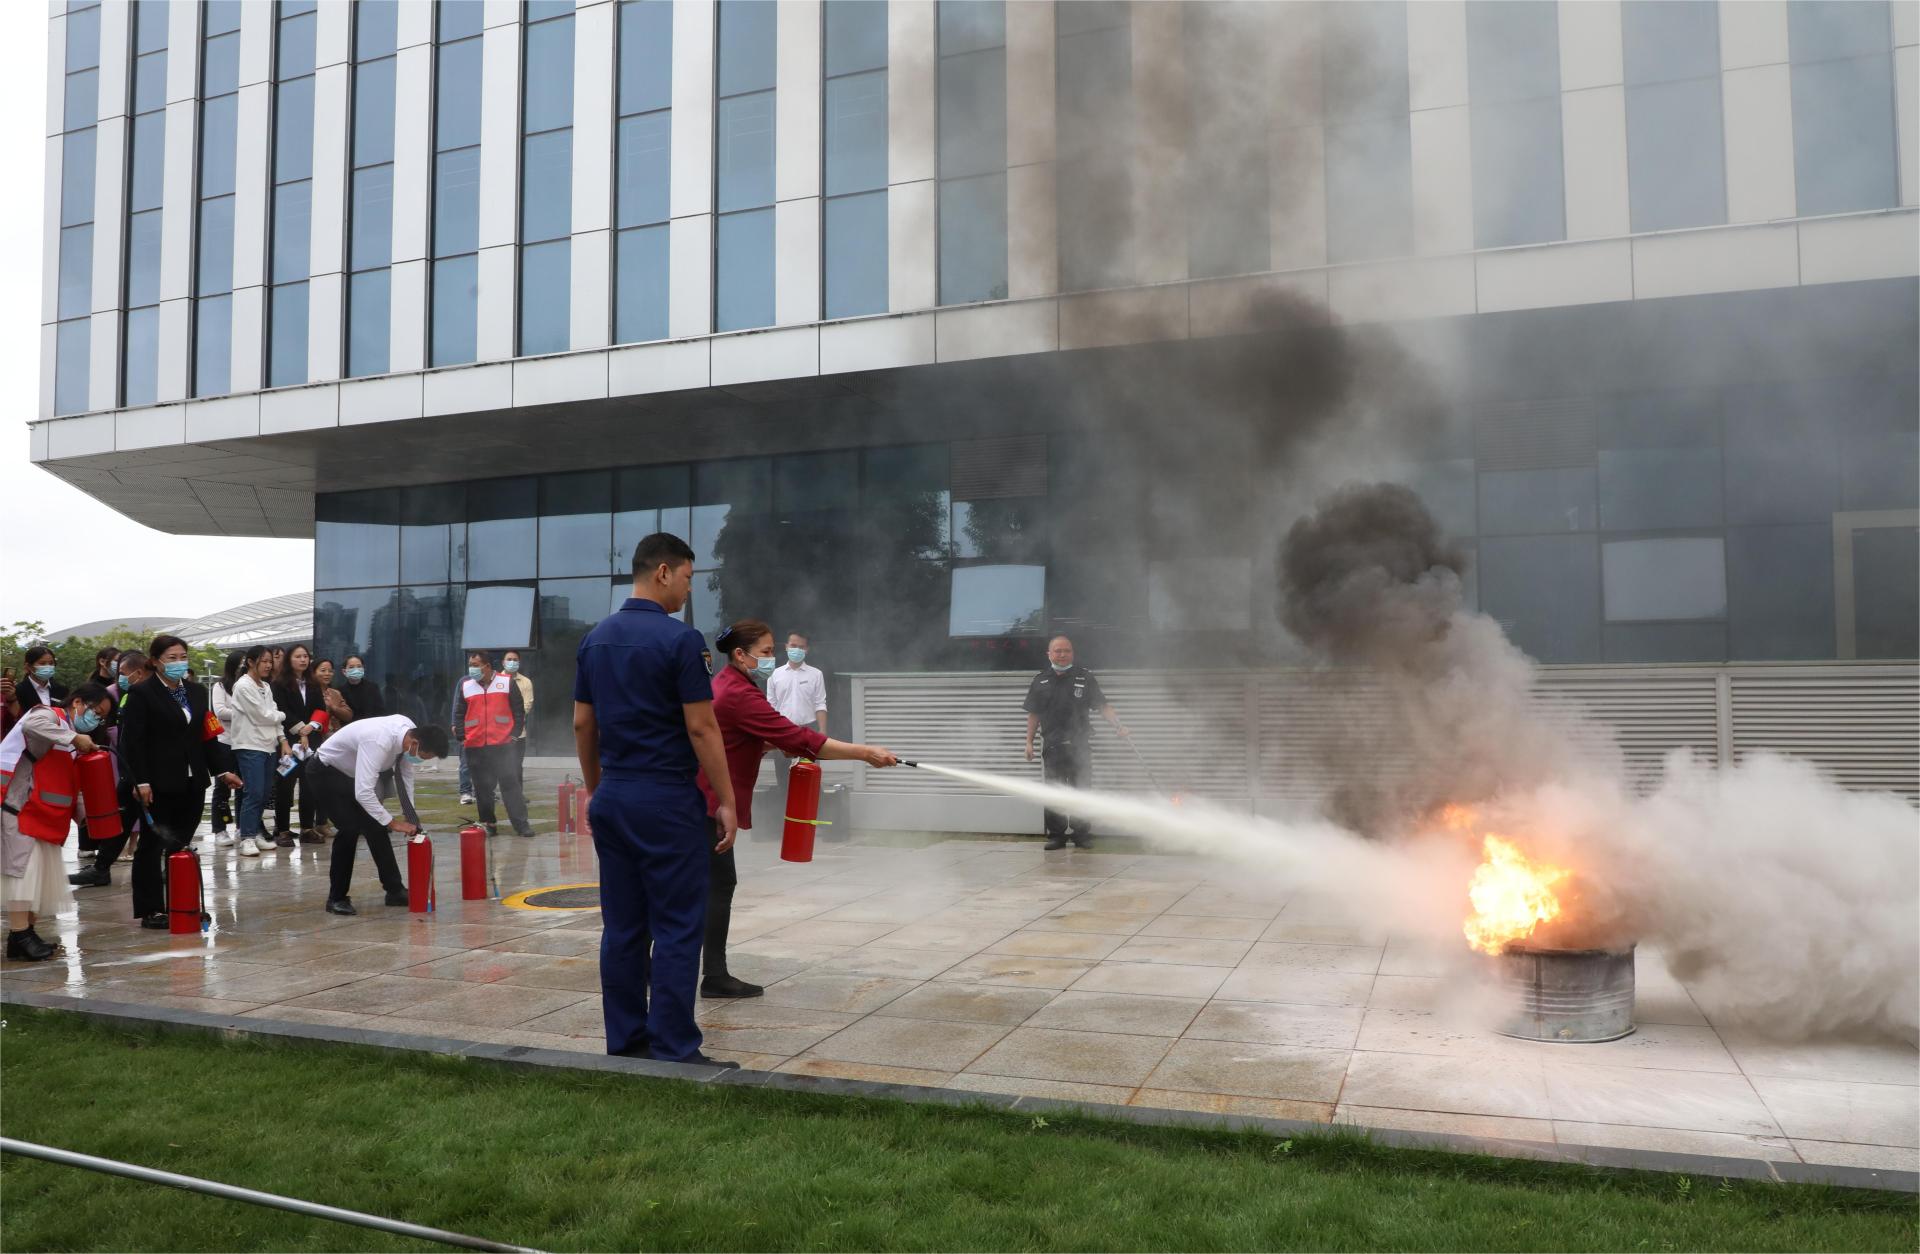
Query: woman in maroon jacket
x=748 y=724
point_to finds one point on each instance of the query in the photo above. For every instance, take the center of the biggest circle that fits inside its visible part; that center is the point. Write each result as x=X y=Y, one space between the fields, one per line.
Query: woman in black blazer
x=172 y=751
x=298 y=696
x=27 y=689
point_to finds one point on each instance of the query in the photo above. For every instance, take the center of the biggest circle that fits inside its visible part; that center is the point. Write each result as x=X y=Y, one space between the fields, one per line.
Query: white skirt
x=43 y=888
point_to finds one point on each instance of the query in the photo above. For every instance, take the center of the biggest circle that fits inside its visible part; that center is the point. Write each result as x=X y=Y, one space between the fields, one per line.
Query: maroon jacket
x=748 y=724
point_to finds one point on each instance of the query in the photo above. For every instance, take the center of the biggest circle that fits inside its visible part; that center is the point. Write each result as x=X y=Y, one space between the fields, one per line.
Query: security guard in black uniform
x=1059 y=706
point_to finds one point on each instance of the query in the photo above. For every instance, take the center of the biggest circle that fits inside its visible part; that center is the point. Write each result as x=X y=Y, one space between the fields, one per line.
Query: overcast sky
x=68 y=558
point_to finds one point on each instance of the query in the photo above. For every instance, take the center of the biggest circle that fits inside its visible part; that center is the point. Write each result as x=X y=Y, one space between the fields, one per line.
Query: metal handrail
x=234 y=1193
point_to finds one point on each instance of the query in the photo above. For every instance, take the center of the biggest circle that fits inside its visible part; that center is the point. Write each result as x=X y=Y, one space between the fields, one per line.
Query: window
x=1227 y=175
x=546 y=182
x=498 y=616
x=1369 y=151
x=356 y=539
x=454 y=330
x=1843 y=100
x=1545 y=591
x=80 y=108
x=1780 y=592
x=972 y=150
x=644 y=149
x=1513 y=77
x=433 y=528
x=855 y=150
x=370 y=242
x=576 y=521
x=502 y=529
x=1660 y=464
x=1676 y=176
x=1661 y=579
x=648 y=499
x=1093 y=94
x=998 y=601
x=147 y=138
x=292 y=231
x=743 y=166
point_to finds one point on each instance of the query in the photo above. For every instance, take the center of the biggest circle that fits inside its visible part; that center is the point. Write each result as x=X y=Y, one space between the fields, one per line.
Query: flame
x=1511 y=896
x=1457 y=818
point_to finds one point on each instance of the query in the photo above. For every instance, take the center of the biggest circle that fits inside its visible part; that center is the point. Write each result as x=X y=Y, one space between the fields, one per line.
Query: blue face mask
x=473 y=672
x=177 y=670
x=414 y=759
x=764 y=665
x=43 y=672
x=86 y=722
x=796 y=655
x=356 y=673
x=513 y=666
x=126 y=682
x=1059 y=669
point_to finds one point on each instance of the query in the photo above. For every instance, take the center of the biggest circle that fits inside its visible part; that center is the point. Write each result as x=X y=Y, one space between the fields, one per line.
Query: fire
x=1511 y=896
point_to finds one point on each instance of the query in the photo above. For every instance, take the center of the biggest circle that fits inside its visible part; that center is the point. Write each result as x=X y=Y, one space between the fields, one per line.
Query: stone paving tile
x=1127 y=899
x=1409 y=992
x=1281 y=1071
x=1235 y=1104
x=820 y=932
x=1835 y=1110
x=1319 y=933
x=1348 y=959
x=286 y=1012
x=755 y=1027
x=1466 y=1086
x=1013 y=969
x=944 y=936
x=884 y=960
x=968 y=1003
x=492 y=1006
x=942 y=1045
x=1191 y=951
x=1057 y=944
x=583 y=1018
x=1695 y=1100
x=382 y=959
x=874 y=1072
x=1849 y=1154
x=1110 y=1058
x=1861 y=1062
x=477 y=966
x=1203 y=927
x=1494 y=1126
x=283 y=984
x=1053 y=1090
x=1118 y=1012
x=1155 y=979
x=849 y=994
x=582 y=975
x=1321 y=988
x=559 y=943
x=1673 y=1140
x=1278 y=1023
x=373 y=995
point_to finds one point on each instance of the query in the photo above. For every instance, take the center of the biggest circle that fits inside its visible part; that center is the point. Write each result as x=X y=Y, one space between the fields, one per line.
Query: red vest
x=489 y=711
x=49 y=811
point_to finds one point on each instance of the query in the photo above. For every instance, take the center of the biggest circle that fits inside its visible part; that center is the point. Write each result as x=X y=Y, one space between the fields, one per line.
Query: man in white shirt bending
x=799 y=692
x=348 y=778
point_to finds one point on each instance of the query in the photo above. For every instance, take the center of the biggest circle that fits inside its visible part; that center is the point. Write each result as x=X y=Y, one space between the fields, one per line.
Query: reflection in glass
x=546 y=284
x=287 y=354
x=455 y=309
x=743 y=271
x=640 y=285
x=369 y=322
x=1007 y=529
x=70 y=367
x=212 y=346
x=143 y=355
x=498 y=616
x=998 y=601
x=1669 y=578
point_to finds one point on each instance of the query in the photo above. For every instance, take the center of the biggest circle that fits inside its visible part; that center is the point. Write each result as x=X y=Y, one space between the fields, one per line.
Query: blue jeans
x=256 y=772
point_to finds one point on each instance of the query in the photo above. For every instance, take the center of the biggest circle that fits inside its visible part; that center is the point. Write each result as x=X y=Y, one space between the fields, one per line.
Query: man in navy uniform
x=643 y=726
x=1060 y=704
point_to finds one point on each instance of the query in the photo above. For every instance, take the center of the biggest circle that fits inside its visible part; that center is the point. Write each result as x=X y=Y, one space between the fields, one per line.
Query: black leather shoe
x=1055 y=843
x=94 y=877
x=26 y=946
x=155 y=922
x=341 y=905
x=729 y=986
x=529 y=833
x=284 y=841
x=701 y=1060
x=398 y=899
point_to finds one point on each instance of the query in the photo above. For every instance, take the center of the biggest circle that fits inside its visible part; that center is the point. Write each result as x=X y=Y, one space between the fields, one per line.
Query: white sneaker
x=248 y=849
x=466 y=798
x=223 y=839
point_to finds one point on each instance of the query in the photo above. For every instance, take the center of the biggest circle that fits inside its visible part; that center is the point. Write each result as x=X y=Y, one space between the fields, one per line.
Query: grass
x=583 y=1161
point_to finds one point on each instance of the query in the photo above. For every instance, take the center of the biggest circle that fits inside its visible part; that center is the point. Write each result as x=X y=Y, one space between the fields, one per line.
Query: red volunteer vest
x=489 y=711
x=49 y=811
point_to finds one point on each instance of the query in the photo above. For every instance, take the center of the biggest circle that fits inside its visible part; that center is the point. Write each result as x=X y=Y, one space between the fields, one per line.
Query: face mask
x=764 y=665
x=176 y=670
x=1059 y=669
x=86 y=722
x=356 y=673
x=473 y=672
x=414 y=759
x=126 y=682
x=796 y=655
x=43 y=672
x=513 y=667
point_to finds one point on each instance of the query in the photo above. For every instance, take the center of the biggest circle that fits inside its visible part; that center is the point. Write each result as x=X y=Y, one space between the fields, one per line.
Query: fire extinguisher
x=420 y=894
x=583 y=802
x=186 y=899
x=475 y=864
x=96 y=788
x=567 y=789
x=803 y=804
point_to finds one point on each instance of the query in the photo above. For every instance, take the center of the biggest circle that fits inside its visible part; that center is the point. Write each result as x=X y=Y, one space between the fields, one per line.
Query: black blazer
x=293 y=709
x=161 y=748
x=28 y=696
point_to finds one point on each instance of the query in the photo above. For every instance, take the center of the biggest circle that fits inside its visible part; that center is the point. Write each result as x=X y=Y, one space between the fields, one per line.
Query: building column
x=252 y=164
x=1440 y=131
x=1296 y=162
x=1160 y=112
x=799 y=82
x=1756 y=111
x=690 y=187
x=1906 y=76
x=109 y=207
x=1033 y=238
x=590 y=323
x=913 y=193
x=1593 y=120
x=498 y=266
x=412 y=188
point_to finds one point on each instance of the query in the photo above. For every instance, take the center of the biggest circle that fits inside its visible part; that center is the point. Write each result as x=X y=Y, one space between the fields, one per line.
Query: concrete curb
x=1708 y=1165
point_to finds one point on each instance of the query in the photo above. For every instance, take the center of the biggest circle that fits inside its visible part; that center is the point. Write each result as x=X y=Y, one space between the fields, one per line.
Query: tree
x=73 y=657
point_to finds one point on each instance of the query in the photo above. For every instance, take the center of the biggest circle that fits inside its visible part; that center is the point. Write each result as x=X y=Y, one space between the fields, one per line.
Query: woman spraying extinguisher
x=748 y=724
x=41 y=784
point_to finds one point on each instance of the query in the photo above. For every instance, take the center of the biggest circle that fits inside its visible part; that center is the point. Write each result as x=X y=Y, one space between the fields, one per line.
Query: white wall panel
x=593 y=104
x=56 y=97
x=1398 y=291
x=590 y=294
x=178 y=199
x=149 y=428
x=50 y=228
x=911 y=51
x=386 y=398
x=80 y=437
x=329 y=167
x=412 y=150
x=1559 y=274
x=1906 y=71
x=1758 y=113
x=256 y=45
x=1906 y=22
x=1593 y=127
x=665 y=367
x=251 y=150
x=49 y=342
x=1437 y=54
x=116 y=37
x=1159 y=202
x=222 y=418
x=469 y=389
x=690 y=187
x=300 y=409
x=499 y=140
x=407 y=316
x=1869 y=246
x=413 y=25
x=1442 y=169
x=555 y=380
x=757 y=356
x=1237 y=306
x=911 y=246
x=1589 y=44
x=1297 y=198
x=332 y=35
x=103 y=361
x=796 y=261
x=968 y=332
x=1033 y=237
x=249 y=332
x=501 y=13
x=1691 y=262
x=690 y=275
x=877 y=343
x=1030 y=84
x=326 y=301
x=176 y=325
x=1753 y=32
x=796 y=102
x=498 y=302
x=183 y=48
x=109 y=213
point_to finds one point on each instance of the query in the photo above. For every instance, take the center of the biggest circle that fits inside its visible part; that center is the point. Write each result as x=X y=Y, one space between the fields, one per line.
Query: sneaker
x=250 y=849
x=466 y=798
x=728 y=986
x=223 y=840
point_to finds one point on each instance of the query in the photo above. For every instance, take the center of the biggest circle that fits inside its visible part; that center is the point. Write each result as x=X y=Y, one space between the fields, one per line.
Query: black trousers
x=492 y=767
x=175 y=816
x=722 y=878
x=353 y=823
x=1067 y=765
x=222 y=805
x=283 y=790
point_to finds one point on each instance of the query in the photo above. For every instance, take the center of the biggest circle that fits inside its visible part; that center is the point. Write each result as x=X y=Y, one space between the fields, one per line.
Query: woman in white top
x=220 y=701
x=258 y=742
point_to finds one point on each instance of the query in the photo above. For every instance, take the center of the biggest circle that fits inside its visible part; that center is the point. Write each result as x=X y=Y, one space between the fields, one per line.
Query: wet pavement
x=1119 y=977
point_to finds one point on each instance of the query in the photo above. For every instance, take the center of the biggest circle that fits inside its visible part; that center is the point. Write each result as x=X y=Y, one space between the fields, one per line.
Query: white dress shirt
x=364 y=748
x=799 y=692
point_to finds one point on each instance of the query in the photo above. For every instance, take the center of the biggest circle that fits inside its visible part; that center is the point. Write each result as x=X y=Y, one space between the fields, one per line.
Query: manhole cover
x=559 y=897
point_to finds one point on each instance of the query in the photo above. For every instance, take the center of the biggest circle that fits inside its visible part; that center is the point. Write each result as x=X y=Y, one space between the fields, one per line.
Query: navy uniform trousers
x=652 y=841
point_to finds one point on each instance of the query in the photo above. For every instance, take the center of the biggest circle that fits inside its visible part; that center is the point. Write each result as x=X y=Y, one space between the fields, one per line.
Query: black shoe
x=284 y=840
x=528 y=832
x=729 y=986
x=492 y=830
x=1055 y=842
x=155 y=922
x=26 y=946
x=96 y=877
x=701 y=1060
x=399 y=899
x=341 y=905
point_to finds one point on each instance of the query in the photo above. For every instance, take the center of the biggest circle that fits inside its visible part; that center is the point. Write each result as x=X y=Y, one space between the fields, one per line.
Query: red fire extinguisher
x=186 y=908
x=96 y=789
x=473 y=863
x=803 y=804
x=420 y=894
x=567 y=789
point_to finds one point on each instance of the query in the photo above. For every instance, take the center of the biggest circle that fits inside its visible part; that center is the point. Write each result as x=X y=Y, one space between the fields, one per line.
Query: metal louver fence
x=1212 y=733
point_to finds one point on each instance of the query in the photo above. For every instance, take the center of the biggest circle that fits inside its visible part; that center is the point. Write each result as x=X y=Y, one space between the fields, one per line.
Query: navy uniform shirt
x=637 y=668
x=1065 y=702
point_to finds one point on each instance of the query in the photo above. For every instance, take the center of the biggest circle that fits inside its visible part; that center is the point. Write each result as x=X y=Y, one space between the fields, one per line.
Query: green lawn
x=574 y=1161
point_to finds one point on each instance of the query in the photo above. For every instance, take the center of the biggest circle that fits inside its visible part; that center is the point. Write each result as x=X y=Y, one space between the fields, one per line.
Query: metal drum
x=1567 y=994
